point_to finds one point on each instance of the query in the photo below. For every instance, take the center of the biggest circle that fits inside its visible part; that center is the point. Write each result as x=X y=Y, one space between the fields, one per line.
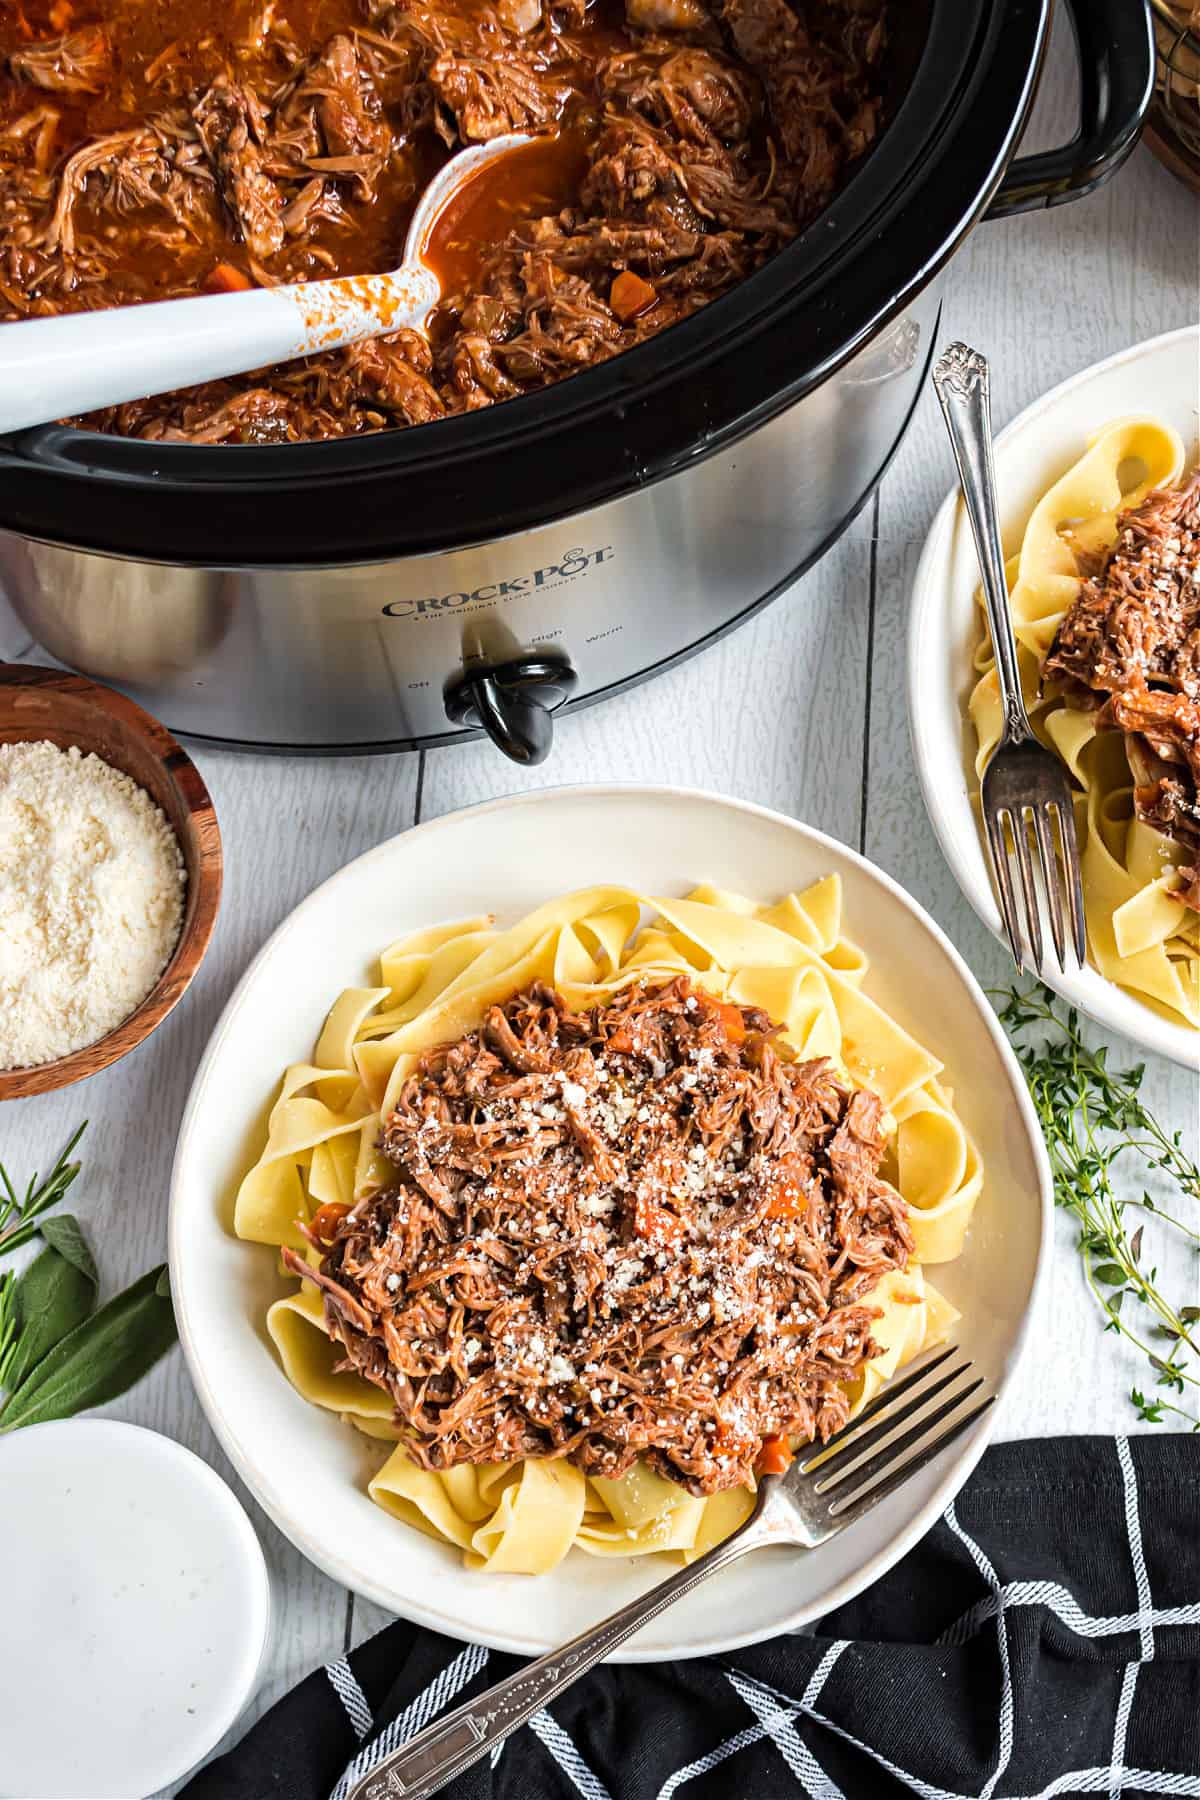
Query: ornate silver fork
x=1022 y=777
x=823 y=1492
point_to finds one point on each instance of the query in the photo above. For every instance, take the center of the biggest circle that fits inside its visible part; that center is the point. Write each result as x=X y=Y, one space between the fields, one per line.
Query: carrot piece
x=226 y=278
x=61 y=14
x=326 y=1220
x=732 y=1020
x=655 y=1225
x=630 y=295
x=774 y=1457
x=788 y=1198
x=620 y=1039
x=737 y=1441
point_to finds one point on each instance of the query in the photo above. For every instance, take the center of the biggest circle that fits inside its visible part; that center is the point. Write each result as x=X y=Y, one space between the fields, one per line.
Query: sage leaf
x=99 y=1360
x=53 y=1296
x=64 y=1234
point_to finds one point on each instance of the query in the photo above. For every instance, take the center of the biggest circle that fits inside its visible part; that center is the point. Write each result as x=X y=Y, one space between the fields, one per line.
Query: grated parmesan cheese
x=91 y=900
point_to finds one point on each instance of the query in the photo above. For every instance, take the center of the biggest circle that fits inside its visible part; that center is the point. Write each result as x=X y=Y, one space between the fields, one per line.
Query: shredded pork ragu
x=148 y=149
x=1130 y=646
x=637 y=1232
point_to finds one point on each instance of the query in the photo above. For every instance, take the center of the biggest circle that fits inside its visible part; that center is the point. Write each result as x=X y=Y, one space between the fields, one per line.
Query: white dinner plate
x=136 y=1610
x=310 y=1471
x=1160 y=377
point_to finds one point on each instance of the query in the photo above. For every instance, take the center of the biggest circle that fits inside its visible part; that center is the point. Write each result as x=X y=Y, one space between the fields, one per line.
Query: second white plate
x=1158 y=377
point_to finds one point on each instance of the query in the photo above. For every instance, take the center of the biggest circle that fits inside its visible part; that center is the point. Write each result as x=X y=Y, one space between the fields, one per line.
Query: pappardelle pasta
x=782 y=978
x=1083 y=673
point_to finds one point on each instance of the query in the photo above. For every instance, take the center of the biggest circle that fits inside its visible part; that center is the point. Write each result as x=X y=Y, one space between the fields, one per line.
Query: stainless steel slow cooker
x=402 y=589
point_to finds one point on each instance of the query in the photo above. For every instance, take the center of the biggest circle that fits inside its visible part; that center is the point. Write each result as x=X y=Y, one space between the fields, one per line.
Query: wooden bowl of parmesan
x=110 y=877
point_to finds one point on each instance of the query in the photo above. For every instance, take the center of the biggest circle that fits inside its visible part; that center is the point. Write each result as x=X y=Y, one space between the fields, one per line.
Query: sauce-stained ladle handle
x=54 y=368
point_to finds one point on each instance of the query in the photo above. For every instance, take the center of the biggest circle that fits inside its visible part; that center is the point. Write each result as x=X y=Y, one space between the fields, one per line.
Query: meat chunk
x=519 y=16
x=766 y=32
x=122 y=173
x=476 y=374
x=256 y=417
x=328 y=124
x=1168 y=804
x=80 y=62
x=232 y=127
x=1189 y=888
x=567 y=325
x=1170 y=724
x=636 y=176
x=1162 y=735
x=706 y=96
x=1139 y=618
x=681 y=154
x=348 y=107
x=385 y=369
x=723 y=192
x=316 y=203
x=366 y=387
x=668 y=15
x=816 y=63
x=1130 y=646
x=595 y=244
x=487 y=316
x=702 y=97
x=489 y=98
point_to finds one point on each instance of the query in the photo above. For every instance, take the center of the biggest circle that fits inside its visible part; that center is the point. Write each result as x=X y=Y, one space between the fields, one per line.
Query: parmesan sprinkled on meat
x=671 y=1266
x=1130 y=646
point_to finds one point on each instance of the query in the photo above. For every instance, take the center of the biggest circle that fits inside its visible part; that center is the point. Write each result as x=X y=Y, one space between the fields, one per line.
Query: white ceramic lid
x=136 y=1610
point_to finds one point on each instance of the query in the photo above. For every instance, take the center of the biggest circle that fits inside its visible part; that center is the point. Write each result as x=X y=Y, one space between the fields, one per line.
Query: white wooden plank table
x=803 y=710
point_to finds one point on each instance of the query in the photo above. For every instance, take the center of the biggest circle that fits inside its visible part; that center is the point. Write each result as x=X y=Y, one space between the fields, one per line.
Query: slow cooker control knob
x=513 y=703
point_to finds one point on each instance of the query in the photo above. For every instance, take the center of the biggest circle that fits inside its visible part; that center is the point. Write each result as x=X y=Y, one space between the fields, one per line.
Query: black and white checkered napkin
x=1043 y=1639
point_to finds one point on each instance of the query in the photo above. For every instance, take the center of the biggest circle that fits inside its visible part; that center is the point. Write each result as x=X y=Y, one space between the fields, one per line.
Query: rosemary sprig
x=19 y=1213
x=1093 y=1118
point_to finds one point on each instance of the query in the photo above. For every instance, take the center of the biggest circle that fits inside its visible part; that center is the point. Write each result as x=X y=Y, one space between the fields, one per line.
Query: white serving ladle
x=55 y=368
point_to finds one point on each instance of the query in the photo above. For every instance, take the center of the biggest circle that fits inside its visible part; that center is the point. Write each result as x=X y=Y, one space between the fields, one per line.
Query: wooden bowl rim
x=206 y=881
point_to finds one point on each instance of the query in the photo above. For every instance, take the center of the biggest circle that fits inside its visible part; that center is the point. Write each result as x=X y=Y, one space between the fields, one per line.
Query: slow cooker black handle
x=513 y=703
x=1116 y=80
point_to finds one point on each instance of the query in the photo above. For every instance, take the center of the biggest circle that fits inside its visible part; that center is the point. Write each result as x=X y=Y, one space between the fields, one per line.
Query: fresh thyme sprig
x=19 y=1213
x=1093 y=1118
